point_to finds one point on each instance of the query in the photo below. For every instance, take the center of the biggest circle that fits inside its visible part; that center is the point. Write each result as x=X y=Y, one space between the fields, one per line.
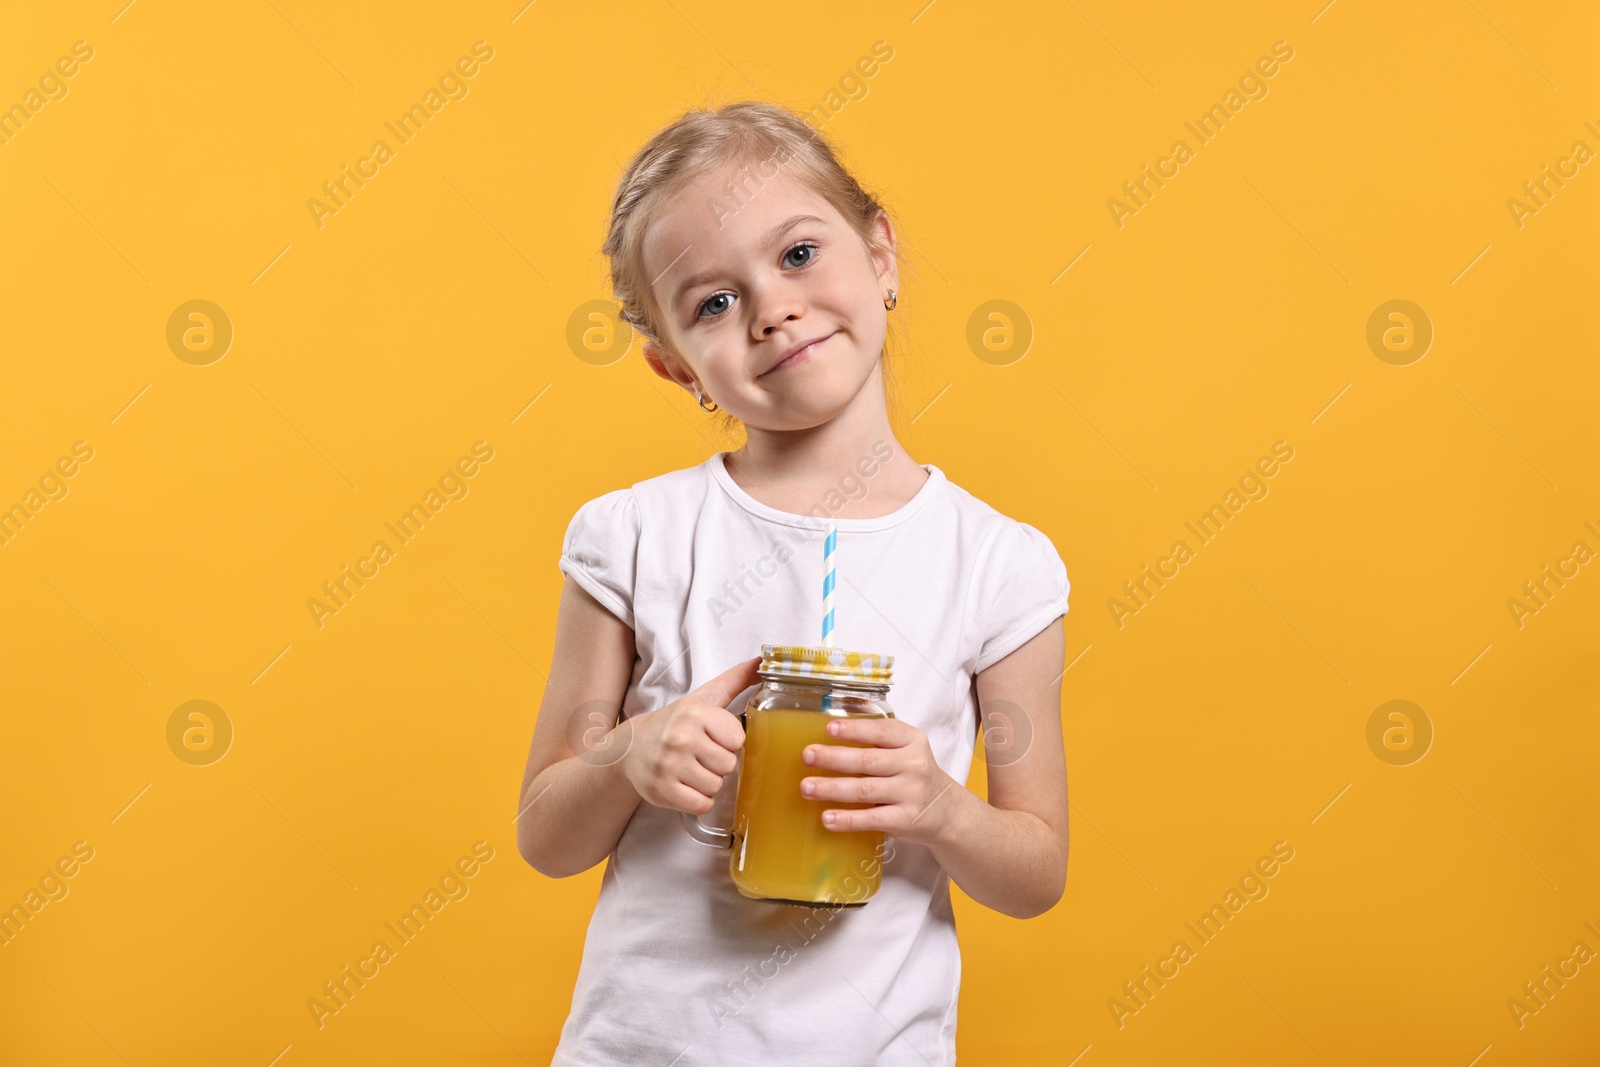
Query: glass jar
x=779 y=849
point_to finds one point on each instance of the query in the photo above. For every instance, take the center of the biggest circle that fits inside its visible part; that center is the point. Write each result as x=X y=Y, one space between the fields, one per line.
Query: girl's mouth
x=802 y=356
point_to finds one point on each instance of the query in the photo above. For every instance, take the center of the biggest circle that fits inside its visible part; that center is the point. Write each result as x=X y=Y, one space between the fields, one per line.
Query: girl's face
x=740 y=284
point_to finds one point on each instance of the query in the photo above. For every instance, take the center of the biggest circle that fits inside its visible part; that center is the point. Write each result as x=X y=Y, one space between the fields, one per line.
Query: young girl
x=760 y=277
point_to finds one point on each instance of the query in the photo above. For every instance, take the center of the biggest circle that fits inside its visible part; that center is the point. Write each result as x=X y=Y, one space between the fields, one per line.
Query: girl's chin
x=802 y=409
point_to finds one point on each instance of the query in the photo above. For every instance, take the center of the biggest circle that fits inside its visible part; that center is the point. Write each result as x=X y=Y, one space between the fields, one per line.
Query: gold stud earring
x=891 y=300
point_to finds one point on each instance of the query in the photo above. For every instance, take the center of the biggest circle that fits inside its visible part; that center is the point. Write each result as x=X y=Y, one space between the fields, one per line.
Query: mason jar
x=779 y=851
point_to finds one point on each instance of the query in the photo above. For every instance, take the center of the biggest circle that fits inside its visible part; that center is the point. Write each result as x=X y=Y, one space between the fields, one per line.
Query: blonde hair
x=748 y=132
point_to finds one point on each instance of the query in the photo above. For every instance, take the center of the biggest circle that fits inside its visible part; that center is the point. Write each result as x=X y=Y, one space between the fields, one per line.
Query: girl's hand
x=677 y=756
x=900 y=777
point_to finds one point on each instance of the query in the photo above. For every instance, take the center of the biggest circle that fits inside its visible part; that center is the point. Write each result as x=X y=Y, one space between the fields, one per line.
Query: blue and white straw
x=828 y=547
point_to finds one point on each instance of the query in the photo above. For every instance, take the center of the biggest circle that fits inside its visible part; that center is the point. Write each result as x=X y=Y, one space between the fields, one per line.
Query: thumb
x=724 y=687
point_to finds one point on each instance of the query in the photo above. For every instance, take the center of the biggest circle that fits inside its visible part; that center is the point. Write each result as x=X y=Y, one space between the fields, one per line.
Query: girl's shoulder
x=604 y=537
x=999 y=533
x=613 y=512
x=600 y=550
x=1016 y=579
x=620 y=508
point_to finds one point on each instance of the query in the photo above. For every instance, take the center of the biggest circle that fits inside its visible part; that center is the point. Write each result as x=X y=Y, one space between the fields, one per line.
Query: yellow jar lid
x=835 y=664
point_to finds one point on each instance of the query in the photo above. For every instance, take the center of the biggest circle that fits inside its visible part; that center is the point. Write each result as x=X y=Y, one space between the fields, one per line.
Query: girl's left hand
x=900 y=777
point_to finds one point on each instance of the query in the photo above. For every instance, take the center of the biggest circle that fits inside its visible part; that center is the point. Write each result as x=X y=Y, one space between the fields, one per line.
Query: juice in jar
x=781 y=850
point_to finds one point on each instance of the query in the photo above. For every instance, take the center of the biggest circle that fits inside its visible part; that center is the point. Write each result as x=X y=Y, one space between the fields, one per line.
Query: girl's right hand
x=679 y=755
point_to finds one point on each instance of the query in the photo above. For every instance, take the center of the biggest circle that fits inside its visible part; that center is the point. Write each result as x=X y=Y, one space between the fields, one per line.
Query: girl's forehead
x=730 y=211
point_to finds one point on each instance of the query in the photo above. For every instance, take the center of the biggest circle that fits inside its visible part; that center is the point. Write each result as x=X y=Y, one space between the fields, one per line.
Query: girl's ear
x=667 y=365
x=883 y=249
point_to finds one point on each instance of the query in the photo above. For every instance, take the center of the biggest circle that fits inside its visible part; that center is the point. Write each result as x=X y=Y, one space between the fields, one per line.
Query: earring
x=701 y=400
x=891 y=300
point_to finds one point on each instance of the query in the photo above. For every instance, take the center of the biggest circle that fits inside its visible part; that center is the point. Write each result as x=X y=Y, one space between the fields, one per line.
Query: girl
x=760 y=276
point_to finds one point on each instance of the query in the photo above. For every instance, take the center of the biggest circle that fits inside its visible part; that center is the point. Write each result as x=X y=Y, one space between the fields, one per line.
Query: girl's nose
x=774 y=306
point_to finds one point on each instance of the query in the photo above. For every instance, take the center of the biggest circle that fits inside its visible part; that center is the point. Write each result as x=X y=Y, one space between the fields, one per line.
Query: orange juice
x=781 y=850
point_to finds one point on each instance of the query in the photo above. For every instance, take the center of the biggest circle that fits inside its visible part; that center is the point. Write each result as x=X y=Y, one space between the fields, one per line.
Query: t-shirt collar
x=820 y=516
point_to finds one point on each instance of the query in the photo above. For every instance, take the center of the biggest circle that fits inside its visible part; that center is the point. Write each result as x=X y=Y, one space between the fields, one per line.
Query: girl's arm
x=575 y=801
x=1008 y=853
x=586 y=774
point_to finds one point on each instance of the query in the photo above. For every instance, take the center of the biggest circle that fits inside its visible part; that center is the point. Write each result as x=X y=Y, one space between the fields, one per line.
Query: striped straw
x=828 y=547
x=828 y=552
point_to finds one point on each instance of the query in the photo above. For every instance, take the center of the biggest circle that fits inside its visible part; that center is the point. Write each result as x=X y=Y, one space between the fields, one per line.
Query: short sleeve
x=1021 y=588
x=600 y=550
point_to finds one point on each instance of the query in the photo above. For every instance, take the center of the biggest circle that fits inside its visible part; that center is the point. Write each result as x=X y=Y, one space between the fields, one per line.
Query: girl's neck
x=856 y=450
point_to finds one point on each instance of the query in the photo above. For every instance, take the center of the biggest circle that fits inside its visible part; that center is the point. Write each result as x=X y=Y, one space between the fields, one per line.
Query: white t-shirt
x=678 y=968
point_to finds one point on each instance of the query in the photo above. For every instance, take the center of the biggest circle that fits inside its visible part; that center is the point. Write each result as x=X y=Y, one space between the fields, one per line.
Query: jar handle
x=715 y=836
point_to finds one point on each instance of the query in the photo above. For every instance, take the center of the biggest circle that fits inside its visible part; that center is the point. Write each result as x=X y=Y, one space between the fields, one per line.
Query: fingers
x=680 y=767
x=851 y=760
x=850 y=790
x=715 y=697
x=690 y=759
x=717 y=760
x=680 y=797
x=730 y=683
x=701 y=781
x=884 y=732
x=852 y=820
x=891 y=809
x=694 y=791
x=724 y=729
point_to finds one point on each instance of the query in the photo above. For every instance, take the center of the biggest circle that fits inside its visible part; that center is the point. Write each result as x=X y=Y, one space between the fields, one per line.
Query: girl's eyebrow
x=784 y=227
x=772 y=237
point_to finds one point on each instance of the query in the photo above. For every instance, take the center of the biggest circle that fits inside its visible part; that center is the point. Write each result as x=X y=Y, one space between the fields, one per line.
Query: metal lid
x=829 y=664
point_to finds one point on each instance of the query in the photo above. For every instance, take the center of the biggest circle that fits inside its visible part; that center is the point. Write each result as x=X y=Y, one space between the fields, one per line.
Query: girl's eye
x=713 y=300
x=717 y=303
x=807 y=247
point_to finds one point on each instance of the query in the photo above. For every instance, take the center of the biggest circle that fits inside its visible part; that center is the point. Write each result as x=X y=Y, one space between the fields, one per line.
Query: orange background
x=432 y=311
